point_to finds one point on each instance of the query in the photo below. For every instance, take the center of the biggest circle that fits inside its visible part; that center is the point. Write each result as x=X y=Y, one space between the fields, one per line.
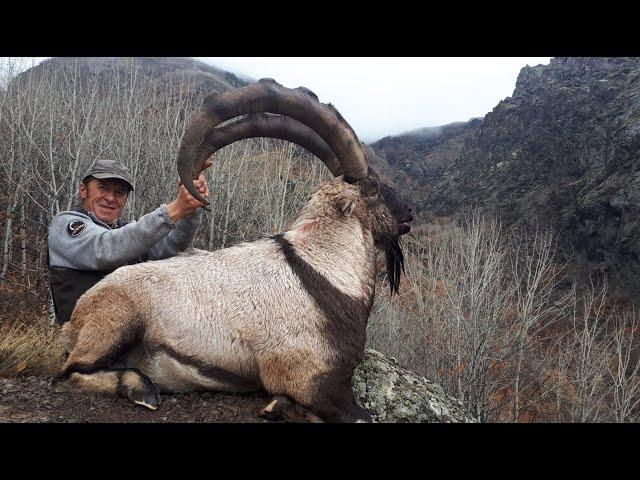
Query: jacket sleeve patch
x=76 y=227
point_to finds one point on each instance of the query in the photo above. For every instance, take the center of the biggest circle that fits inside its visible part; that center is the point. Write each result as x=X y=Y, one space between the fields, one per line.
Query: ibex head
x=296 y=115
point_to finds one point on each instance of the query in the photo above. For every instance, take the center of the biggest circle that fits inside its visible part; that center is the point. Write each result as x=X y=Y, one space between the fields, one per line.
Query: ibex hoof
x=138 y=388
x=283 y=409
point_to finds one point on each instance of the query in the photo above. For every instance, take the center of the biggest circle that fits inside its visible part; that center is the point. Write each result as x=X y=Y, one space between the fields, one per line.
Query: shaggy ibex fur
x=286 y=313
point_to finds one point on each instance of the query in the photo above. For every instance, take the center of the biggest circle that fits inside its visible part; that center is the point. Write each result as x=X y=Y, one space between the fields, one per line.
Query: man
x=87 y=244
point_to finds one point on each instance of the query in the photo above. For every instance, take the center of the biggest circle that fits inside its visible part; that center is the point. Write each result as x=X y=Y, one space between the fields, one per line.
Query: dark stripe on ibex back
x=347 y=316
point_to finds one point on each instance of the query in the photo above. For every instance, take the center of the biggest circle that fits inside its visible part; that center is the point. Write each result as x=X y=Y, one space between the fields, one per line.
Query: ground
x=389 y=392
x=34 y=400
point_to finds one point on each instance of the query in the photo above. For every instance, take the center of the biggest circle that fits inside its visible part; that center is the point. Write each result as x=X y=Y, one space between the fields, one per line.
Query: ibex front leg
x=327 y=394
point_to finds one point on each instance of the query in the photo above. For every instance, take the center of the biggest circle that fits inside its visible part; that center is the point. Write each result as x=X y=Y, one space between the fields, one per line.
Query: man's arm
x=178 y=239
x=185 y=212
x=75 y=241
x=88 y=246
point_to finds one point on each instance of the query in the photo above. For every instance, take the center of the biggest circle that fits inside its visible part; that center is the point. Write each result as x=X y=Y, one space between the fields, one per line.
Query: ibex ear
x=346 y=206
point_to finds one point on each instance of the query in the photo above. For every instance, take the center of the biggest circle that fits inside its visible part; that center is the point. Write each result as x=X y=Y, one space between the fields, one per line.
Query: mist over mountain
x=421 y=156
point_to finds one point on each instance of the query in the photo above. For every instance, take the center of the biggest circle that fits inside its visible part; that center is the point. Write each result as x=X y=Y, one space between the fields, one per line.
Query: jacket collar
x=91 y=215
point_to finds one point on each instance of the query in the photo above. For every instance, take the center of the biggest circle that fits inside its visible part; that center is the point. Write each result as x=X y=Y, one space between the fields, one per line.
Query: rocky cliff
x=562 y=151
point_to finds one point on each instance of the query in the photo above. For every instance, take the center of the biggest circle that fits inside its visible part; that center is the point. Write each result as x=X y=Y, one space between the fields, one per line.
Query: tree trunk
x=8 y=238
x=23 y=243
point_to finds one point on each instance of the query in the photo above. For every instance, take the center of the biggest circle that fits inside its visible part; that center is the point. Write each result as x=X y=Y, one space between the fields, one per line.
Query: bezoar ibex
x=286 y=313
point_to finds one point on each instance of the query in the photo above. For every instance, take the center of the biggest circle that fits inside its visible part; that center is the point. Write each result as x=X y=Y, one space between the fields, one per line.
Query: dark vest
x=67 y=285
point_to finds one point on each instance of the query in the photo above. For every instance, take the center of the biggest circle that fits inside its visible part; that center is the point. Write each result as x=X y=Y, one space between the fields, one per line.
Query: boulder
x=396 y=395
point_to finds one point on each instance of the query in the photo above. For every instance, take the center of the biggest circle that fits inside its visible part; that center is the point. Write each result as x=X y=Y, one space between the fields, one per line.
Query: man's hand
x=186 y=204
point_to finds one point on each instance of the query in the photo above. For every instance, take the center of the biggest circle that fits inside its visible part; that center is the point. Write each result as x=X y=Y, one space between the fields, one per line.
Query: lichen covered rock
x=394 y=394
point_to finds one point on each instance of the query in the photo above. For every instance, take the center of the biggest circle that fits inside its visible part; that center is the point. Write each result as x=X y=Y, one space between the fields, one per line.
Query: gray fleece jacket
x=80 y=241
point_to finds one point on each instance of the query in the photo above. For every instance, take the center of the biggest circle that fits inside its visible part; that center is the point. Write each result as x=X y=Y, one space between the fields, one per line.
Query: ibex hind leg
x=104 y=329
x=138 y=388
x=104 y=326
x=129 y=383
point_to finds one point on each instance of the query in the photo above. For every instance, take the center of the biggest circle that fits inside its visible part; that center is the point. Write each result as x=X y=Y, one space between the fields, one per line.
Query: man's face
x=105 y=198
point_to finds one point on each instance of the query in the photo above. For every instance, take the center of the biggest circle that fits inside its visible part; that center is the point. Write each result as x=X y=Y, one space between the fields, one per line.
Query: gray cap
x=110 y=169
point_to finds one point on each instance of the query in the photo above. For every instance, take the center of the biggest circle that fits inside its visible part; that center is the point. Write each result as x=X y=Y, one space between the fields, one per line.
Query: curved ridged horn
x=270 y=126
x=268 y=96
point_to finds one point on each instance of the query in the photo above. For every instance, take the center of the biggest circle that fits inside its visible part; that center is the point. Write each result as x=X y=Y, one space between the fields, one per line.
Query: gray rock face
x=419 y=153
x=396 y=395
x=564 y=152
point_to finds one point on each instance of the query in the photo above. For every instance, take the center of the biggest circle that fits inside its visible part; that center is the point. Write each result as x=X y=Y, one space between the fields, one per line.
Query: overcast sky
x=382 y=96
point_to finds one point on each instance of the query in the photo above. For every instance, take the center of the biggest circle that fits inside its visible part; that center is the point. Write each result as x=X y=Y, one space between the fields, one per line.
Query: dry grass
x=30 y=349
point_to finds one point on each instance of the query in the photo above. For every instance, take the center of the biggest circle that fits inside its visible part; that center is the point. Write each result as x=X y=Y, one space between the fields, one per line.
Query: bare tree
x=624 y=368
x=536 y=274
x=590 y=351
x=478 y=302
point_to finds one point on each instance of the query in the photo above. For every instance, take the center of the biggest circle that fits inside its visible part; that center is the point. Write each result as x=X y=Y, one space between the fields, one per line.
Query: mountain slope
x=414 y=162
x=562 y=151
x=168 y=70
